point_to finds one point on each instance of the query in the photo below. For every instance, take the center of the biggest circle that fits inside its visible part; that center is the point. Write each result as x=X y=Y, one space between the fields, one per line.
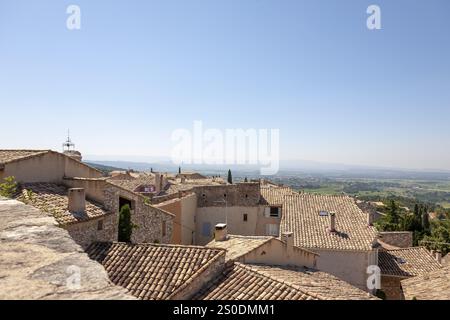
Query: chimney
x=438 y=256
x=370 y=218
x=220 y=233
x=332 y=227
x=158 y=182
x=288 y=239
x=77 y=200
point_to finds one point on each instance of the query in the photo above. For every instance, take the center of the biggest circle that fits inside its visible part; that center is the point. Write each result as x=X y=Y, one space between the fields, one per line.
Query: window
x=245 y=217
x=164 y=232
x=100 y=225
x=274 y=212
x=206 y=229
x=272 y=230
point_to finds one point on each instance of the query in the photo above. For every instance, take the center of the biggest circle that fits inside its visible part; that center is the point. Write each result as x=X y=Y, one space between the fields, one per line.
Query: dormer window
x=323 y=213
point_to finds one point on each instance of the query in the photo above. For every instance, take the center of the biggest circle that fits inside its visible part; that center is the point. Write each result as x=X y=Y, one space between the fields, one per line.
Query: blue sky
x=137 y=70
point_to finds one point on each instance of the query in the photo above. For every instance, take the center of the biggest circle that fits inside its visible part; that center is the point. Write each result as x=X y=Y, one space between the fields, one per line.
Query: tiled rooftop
x=52 y=198
x=429 y=286
x=191 y=175
x=301 y=216
x=237 y=246
x=407 y=262
x=274 y=195
x=257 y=282
x=7 y=156
x=176 y=186
x=151 y=271
x=133 y=184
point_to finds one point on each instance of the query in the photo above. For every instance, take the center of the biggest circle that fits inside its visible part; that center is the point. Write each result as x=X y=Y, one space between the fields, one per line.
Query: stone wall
x=39 y=260
x=148 y=219
x=401 y=239
x=236 y=195
x=97 y=230
x=350 y=266
x=49 y=167
x=391 y=286
x=207 y=217
x=174 y=207
x=94 y=187
x=276 y=252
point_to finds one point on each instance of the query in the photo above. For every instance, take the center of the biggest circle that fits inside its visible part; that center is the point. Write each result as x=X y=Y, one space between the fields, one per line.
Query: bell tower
x=69 y=148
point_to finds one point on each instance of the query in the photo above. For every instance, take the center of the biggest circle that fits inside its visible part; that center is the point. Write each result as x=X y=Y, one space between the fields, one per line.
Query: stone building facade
x=399 y=239
x=153 y=225
x=49 y=176
x=102 y=229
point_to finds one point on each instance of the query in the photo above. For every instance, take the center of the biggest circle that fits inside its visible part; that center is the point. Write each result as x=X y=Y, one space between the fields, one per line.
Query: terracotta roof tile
x=132 y=184
x=7 y=156
x=274 y=195
x=429 y=286
x=151 y=271
x=52 y=198
x=237 y=246
x=300 y=214
x=407 y=262
x=258 y=282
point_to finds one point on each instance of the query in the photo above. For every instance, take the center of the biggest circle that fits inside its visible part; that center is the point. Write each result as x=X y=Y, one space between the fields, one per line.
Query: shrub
x=8 y=188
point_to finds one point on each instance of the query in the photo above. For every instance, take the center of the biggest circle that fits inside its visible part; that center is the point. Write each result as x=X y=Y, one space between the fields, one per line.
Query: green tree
x=125 y=224
x=179 y=170
x=245 y=180
x=230 y=178
x=8 y=188
x=393 y=213
x=425 y=222
x=439 y=238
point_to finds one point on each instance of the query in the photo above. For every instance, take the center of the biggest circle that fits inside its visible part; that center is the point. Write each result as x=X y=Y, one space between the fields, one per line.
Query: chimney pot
x=221 y=232
x=77 y=200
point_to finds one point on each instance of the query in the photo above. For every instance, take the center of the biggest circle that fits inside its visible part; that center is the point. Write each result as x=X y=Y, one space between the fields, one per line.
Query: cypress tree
x=425 y=222
x=125 y=225
x=393 y=212
x=230 y=178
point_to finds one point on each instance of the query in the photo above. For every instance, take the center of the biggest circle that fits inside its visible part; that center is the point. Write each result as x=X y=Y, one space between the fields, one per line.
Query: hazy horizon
x=284 y=164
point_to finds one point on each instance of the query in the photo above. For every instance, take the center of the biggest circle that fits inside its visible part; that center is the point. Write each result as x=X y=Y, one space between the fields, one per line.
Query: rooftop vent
x=401 y=260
